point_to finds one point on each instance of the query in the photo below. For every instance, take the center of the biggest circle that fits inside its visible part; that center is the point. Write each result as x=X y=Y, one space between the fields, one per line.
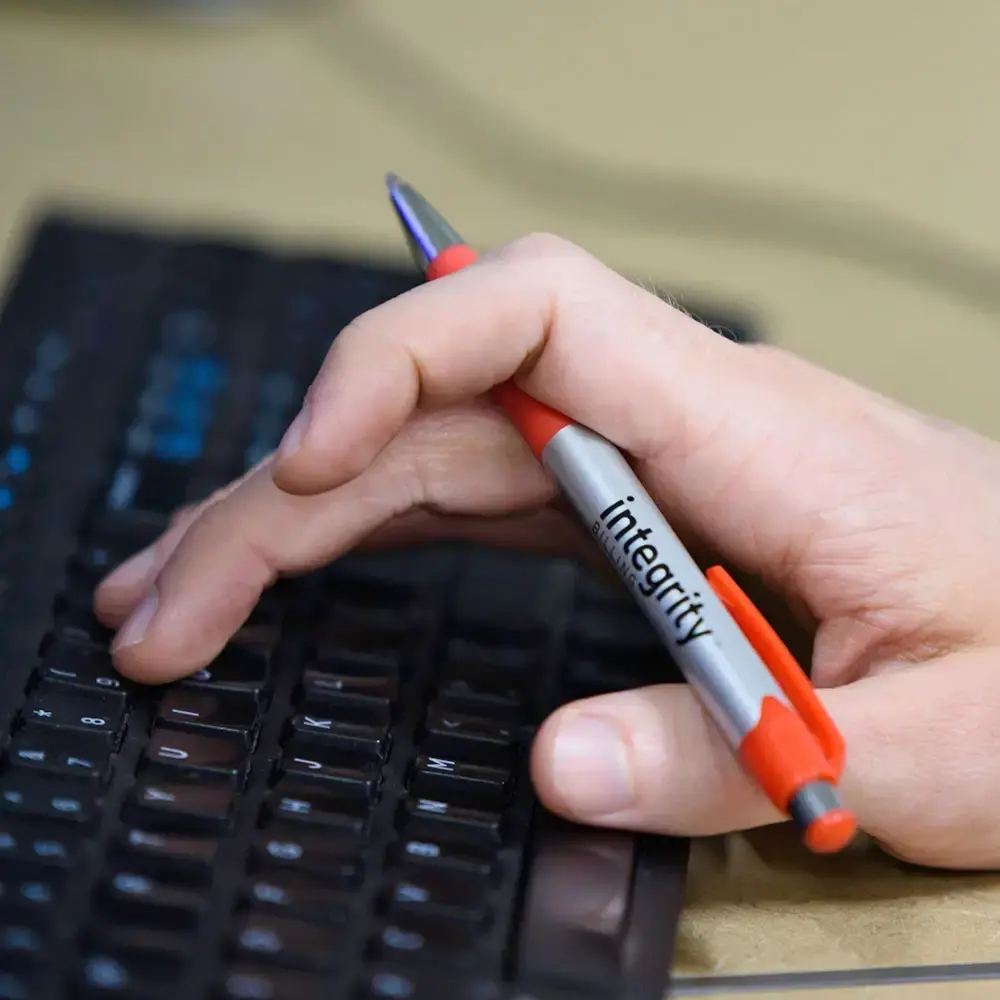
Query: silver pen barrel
x=715 y=657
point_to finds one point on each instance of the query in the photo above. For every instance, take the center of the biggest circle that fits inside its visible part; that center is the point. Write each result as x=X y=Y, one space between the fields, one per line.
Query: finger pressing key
x=464 y=461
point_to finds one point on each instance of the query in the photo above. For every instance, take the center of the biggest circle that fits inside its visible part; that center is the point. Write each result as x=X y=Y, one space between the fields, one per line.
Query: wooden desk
x=828 y=168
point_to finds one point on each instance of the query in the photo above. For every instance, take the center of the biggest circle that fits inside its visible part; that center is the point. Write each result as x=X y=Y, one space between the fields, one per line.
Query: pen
x=745 y=678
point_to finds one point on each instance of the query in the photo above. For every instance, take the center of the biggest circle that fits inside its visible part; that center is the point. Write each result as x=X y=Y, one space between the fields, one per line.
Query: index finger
x=703 y=418
x=540 y=311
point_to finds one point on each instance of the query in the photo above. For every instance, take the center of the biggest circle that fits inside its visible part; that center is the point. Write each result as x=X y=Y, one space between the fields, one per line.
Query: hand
x=878 y=526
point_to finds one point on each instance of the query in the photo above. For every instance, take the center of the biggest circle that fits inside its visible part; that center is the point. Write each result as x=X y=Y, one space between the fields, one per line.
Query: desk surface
x=828 y=169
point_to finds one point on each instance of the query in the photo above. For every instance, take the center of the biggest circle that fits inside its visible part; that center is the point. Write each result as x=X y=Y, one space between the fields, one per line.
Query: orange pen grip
x=786 y=671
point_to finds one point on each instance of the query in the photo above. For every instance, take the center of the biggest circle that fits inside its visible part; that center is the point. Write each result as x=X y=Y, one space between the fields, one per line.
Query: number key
x=52 y=709
x=72 y=665
x=236 y=670
x=61 y=754
x=24 y=843
x=50 y=801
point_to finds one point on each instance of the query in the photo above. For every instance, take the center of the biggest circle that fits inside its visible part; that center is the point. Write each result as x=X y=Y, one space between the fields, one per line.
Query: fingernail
x=592 y=772
x=134 y=630
x=294 y=435
x=134 y=570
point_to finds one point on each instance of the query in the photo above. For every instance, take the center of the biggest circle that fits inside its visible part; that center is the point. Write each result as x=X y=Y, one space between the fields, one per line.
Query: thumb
x=923 y=749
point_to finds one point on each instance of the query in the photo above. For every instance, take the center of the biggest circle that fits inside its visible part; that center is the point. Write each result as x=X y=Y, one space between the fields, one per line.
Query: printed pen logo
x=643 y=569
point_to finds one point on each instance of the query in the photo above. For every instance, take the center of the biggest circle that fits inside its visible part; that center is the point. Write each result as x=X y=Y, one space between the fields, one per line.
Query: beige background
x=828 y=167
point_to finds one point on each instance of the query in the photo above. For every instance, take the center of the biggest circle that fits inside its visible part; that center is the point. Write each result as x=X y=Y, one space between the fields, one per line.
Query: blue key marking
x=24 y=420
x=106 y=973
x=21 y=939
x=201 y=374
x=6 y=498
x=39 y=387
x=123 y=487
x=385 y=984
x=17 y=460
x=37 y=892
x=187 y=409
x=183 y=446
x=52 y=351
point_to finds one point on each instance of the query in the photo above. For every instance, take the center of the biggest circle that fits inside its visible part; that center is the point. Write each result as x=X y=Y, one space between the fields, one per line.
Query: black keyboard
x=339 y=805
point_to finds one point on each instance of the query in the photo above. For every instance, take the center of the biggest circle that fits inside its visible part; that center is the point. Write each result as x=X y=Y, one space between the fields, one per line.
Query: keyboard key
x=325 y=765
x=236 y=670
x=265 y=938
x=344 y=642
x=81 y=623
x=415 y=940
x=313 y=853
x=487 y=696
x=25 y=796
x=31 y=894
x=191 y=752
x=400 y=984
x=350 y=682
x=357 y=710
x=134 y=897
x=158 y=953
x=177 y=807
x=23 y=939
x=29 y=843
x=469 y=737
x=466 y=859
x=170 y=856
x=73 y=755
x=499 y=687
x=613 y=629
x=577 y=903
x=509 y=593
x=106 y=975
x=213 y=714
x=455 y=781
x=246 y=982
x=457 y=824
x=437 y=896
x=52 y=708
x=358 y=741
x=298 y=896
x=82 y=668
x=316 y=806
x=514 y=662
x=92 y=562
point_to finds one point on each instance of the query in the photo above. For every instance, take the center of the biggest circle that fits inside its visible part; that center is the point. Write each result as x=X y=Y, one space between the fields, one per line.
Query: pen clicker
x=746 y=679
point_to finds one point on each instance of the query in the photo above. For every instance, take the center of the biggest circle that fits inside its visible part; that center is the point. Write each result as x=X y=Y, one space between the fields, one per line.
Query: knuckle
x=540 y=246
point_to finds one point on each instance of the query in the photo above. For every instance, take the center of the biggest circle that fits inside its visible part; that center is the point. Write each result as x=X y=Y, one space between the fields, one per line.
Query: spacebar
x=576 y=909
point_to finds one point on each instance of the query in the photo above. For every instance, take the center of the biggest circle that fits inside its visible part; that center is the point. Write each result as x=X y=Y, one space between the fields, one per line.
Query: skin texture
x=877 y=526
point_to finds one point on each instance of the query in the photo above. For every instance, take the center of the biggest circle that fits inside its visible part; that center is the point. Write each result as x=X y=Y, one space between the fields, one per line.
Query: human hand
x=878 y=526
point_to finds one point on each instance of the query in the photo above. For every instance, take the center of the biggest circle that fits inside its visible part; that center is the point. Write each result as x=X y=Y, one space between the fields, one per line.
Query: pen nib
x=426 y=230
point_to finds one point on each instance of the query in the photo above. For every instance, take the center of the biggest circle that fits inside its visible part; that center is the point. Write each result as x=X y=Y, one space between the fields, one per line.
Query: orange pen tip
x=831 y=832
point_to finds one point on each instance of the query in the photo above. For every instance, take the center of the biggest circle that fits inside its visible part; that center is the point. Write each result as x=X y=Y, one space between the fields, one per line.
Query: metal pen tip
x=427 y=231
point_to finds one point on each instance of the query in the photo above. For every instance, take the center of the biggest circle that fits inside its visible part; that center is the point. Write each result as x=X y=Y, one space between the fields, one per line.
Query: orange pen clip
x=778 y=752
